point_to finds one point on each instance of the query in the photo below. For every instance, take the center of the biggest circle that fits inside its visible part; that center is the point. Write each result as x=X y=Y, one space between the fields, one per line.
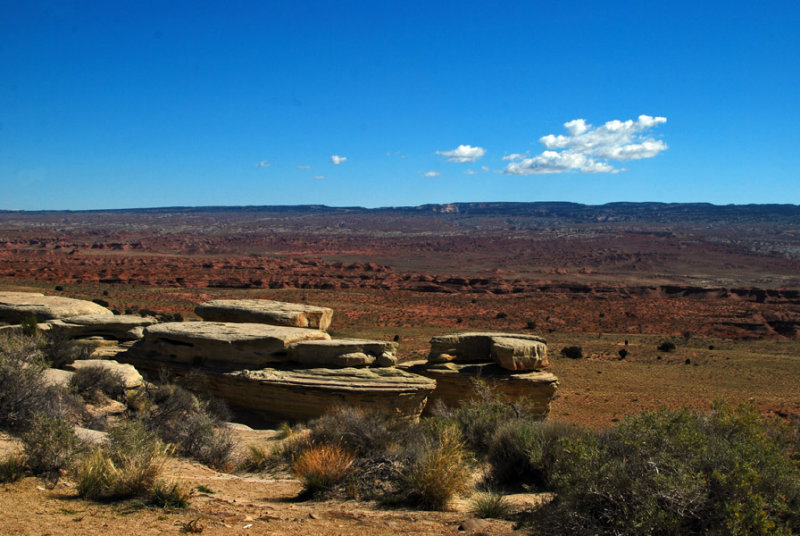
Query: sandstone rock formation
x=119 y=327
x=129 y=375
x=18 y=306
x=220 y=345
x=266 y=312
x=455 y=382
x=509 y=350
x=341 y=353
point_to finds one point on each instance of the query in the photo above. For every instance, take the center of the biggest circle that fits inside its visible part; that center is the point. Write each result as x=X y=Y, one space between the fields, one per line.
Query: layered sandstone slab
x=342 y=353
x=266 y=312
x=511 y=351
x=456 y=382
x=119 y=327
x=18 y=306
x=219 y=345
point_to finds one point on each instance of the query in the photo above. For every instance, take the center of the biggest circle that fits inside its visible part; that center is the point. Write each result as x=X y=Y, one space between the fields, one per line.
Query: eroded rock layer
x=18 y=306
x=266 y=312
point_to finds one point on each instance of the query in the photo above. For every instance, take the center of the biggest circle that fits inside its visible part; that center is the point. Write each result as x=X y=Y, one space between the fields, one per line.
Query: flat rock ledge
x=117 y=327
x=342 y=353
x=512 y=351
x=220 y=346
x=16 y=307
x=455 y=382
x=266 y=312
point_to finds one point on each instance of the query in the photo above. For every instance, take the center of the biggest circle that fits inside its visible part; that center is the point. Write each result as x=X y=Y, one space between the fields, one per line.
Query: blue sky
x=140 y=104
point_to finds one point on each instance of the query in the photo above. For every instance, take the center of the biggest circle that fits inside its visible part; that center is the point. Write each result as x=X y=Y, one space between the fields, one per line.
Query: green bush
x=92 y=382
x=171 y=495
x=572 y=352
x=490 y=505
x=180 y=418
x=677 y=472
x=49 y=445
x=523 y=452
x=127 y=467
x=666 y=346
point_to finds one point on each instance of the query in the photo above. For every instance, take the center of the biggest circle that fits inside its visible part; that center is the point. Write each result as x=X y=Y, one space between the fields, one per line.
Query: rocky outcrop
x=129 y=375
x=266 y=312
x=18 y=306
x=341 y=353
x=118 y=327
x=509 y=350
x=455 y=382
x=220 y=346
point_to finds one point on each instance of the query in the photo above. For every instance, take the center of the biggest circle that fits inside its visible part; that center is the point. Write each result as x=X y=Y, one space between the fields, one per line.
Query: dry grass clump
x=490 y=504
x=321 y=467
x=169 y=495
x=438 y=470
x=127 y=467
x=49 y=445
x=12 y=467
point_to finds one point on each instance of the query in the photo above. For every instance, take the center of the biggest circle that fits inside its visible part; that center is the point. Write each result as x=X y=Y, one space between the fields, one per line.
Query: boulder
x=509 y=350
x=221 y=346
x=119 y=327
x=341 y=353
x=18 y=306
x=276 y=313
x=59 y=377
x=128 y=373
x=456 y=382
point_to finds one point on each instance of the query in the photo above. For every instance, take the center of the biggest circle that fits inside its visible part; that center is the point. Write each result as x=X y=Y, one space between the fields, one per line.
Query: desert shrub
x=490 y=505
x=321 y=467
x=59 y=350
x=362 y=431
x=12 y=467
x=127 y=467
x=23 y=391
x=101 y=302
x=523 y=452
x=30 y=326
x=185 y=421
x=666 y=346
x=169 y=495
x=479 y=418
x=437 y=470
x=677 y=472
x=257 y=458
x=49 y=445
x=572 y=352
x=623 y=353
x=92 y=382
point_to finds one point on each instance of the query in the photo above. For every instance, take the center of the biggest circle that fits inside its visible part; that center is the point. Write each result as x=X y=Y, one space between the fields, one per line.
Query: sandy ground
x=235 y=504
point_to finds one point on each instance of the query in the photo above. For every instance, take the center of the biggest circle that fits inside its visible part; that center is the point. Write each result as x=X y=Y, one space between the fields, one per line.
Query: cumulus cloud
x=336 y=159
x=263 y=163
x=589 y=149
x=319 y=177
x=301 y=166
x=431 y=174
x=463 y=154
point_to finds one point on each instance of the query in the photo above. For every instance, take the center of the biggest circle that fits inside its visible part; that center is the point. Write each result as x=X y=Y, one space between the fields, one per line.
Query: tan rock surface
x=341 y=353
x=272 y=312
x=219 y=345
x=455 y=382
x=18 y=306
x=120 y=327
x=510 y=350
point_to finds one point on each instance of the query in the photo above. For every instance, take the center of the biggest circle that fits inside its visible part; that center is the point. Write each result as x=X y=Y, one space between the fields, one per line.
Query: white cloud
x=263 y=163
x=471 y=172
x=431 y=174
x=484 y=168
x=463 y=154
x=514 y=156
x=588 y=149
x=336 y=159
x=319 y=177
x=301 y=166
